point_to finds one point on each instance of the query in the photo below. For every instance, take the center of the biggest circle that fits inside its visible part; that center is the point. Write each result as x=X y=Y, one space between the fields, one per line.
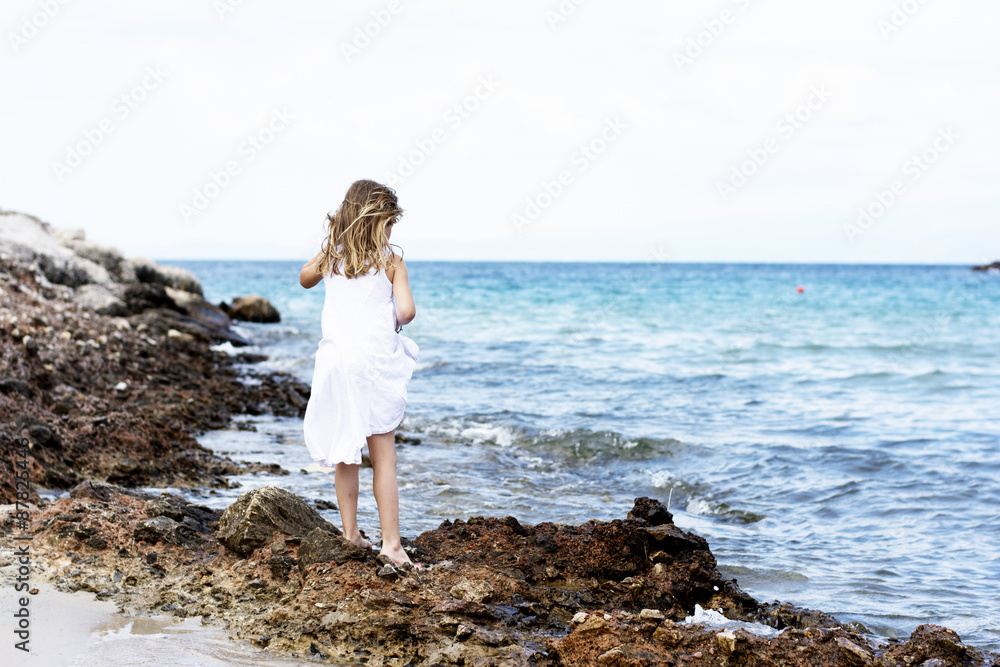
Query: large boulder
x=257 y=515
x=27 y=239
x=252 y=308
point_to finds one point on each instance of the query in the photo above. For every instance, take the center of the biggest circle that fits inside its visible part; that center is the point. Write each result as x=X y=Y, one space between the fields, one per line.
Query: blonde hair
x=356 y=232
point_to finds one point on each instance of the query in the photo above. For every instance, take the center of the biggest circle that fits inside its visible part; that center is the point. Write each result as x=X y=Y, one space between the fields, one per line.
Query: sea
x=833 y=431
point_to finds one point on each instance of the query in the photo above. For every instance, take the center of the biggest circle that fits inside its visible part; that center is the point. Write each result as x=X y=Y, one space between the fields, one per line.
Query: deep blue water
x=839 y=448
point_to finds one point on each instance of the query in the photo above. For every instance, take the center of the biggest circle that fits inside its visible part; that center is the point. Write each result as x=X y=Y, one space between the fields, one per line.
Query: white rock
x=28 y=239
x=100 y=299
x=121 y=386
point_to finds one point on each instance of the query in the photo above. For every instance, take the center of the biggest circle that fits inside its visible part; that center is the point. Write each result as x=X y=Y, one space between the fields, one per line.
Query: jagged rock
x=651 y=511
x=252 y=308
x=143 y=296
x=148 y=271
x=101 y=300
x=474 y=590
x=176 y=508
x=255 y=517
x=162 y=320
x=98 y=490
x=110 y=258
x=322 y=546
x=995 y=266
x=164 y=529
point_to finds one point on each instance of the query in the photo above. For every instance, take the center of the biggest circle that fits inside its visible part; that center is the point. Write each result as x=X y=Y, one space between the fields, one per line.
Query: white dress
x=362 y=369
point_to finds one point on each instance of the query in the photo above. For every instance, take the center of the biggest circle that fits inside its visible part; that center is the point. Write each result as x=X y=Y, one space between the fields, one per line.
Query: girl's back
x=357 y=310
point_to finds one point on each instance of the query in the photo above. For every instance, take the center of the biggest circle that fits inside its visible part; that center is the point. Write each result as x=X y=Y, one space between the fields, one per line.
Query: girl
x=363 y=363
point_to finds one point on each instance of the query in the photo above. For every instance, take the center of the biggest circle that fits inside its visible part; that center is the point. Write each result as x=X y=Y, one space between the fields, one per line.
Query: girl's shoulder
x=395 y=262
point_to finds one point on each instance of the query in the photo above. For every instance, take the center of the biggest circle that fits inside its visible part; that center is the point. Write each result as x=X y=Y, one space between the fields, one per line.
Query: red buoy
x=800 y=289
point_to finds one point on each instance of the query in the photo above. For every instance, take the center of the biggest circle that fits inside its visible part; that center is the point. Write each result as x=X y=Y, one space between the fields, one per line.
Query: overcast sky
x=732 y=130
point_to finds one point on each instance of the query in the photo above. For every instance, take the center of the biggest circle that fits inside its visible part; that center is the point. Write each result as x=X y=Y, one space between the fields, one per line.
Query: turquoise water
x=839 y=447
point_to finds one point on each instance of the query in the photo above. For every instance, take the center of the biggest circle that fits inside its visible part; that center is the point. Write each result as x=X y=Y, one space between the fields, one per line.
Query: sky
x=582 y=130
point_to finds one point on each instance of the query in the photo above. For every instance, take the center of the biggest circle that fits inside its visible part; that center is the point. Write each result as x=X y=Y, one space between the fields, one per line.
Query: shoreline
x=272 y=572
x=634 y=580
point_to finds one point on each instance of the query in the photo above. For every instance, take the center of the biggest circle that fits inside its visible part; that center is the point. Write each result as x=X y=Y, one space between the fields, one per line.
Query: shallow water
x=839 y=448
x=75 y=629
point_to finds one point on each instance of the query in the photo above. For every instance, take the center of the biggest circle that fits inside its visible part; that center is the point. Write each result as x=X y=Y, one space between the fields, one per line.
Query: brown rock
x=253 y=308
x=322 y=546
x=257 y=515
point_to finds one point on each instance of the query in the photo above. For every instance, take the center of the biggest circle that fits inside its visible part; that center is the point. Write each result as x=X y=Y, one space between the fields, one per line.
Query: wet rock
x=651 y=511
x=995 y=266
x=256 y=516
x=785 y=615
x=929 y=643
x=322 y=546
x=852 y=653
x=252 y=308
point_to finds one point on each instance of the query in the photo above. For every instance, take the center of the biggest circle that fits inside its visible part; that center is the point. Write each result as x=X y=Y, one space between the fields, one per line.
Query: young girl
x=363 y=363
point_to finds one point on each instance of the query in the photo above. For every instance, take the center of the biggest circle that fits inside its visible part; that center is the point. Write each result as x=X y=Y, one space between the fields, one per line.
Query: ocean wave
x=509 y=430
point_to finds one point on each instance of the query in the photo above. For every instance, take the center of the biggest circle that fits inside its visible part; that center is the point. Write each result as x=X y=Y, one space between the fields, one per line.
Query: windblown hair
x=356 y=238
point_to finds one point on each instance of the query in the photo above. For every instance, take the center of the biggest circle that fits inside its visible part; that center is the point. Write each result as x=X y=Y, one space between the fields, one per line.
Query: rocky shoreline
x=107 y=367
x=109 y=372
x=493 y=591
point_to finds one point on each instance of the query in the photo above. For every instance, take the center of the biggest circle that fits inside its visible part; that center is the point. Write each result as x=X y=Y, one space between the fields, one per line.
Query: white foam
x=226 y=347
x=663 y=479
x=716 y=620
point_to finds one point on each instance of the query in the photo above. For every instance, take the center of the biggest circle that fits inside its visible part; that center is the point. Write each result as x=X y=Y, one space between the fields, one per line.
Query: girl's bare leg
x=382 y=451
x=346 y=481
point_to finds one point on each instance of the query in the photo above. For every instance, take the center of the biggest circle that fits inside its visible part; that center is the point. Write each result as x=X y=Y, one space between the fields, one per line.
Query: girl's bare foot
x=397 y=555
x=361 y=542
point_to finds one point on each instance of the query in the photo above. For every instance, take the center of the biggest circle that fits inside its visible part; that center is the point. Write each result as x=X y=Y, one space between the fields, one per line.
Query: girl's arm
x=310 y=276
x=405 y=309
